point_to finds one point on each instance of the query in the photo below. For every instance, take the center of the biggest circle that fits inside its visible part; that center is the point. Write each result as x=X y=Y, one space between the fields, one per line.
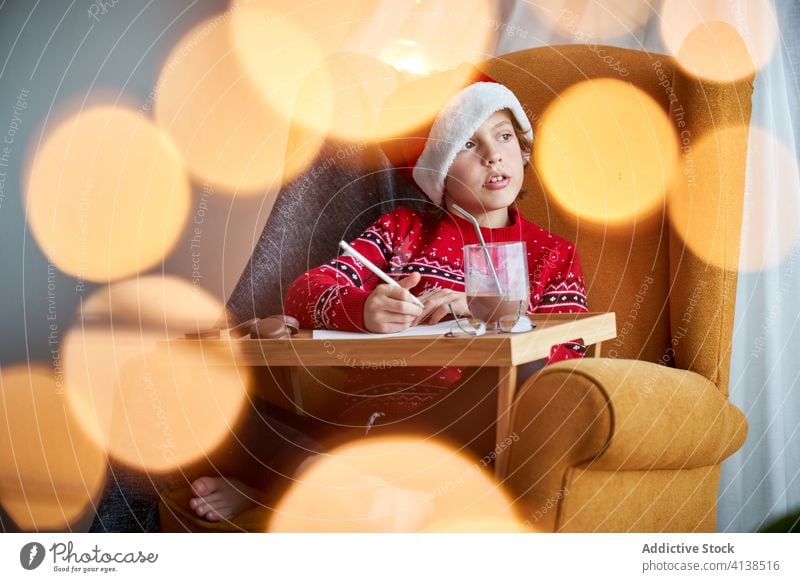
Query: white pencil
x=348 y=250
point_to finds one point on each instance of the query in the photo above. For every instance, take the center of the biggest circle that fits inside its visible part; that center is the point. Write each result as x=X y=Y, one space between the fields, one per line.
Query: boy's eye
x=469 y=145
x=505 y=137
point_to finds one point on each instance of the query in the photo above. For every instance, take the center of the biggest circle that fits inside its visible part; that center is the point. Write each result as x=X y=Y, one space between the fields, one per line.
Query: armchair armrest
x=599 y=414
x=630 y=415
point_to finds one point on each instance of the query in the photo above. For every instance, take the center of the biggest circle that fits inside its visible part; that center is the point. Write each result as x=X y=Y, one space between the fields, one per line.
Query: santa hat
x=430 y=155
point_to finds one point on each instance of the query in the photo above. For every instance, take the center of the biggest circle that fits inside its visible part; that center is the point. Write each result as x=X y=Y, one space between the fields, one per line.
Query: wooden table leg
x=506 y=389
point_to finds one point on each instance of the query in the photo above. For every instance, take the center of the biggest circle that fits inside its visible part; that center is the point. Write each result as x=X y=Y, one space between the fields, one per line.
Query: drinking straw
x=477 y=227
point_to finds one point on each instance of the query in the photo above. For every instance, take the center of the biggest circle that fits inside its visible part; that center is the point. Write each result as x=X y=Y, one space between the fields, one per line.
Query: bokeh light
x=321 y=54
x=363 y=84
x=229 y=135
x=152 y=405
x=719 y=41
x=50 y=472
x=279 y=52
x=436 y=35
x=413 y=42
x=606 y=153
x=107 y=196
x=395 y=484
x=407 y=56
x=771 y=217
x=167 y=305
x=595 y=20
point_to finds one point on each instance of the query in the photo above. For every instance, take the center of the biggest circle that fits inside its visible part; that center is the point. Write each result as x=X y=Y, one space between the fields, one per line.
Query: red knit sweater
x=403 y=241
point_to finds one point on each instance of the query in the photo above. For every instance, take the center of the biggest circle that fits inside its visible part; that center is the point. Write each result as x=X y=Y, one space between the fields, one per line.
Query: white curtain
x=762 y=481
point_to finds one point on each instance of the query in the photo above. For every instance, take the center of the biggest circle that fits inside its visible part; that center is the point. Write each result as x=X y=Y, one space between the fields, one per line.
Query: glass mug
x=496 y=282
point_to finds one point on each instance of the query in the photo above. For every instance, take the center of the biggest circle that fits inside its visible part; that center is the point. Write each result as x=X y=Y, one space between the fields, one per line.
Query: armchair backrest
x=674 y=300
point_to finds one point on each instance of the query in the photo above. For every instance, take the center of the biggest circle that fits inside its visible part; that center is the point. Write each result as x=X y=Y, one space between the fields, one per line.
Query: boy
x=473 y=155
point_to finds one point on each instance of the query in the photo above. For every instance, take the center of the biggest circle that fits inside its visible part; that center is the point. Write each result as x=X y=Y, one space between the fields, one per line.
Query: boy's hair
x=526 y=147
x=525 y=143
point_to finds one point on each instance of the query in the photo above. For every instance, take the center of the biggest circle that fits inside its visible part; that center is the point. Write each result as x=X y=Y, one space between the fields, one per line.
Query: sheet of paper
x=435 y=329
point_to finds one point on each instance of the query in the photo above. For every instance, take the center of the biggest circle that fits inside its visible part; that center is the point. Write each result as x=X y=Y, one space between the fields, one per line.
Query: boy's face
x=486 y=175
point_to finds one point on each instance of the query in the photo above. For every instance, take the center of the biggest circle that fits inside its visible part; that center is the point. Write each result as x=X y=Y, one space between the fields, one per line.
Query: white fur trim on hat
x=458 y=121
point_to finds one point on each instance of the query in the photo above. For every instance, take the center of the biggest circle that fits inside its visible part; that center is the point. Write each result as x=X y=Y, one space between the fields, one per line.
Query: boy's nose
x=492 y=156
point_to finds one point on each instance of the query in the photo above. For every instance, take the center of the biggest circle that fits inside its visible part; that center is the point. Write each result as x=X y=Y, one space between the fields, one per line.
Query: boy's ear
x=526 y=159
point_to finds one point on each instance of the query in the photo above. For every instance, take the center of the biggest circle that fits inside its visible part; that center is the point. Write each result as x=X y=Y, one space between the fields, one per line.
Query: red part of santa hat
x=426 y=157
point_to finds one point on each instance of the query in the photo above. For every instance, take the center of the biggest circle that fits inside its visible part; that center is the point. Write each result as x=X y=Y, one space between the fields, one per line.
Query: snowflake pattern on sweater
x=401 y=242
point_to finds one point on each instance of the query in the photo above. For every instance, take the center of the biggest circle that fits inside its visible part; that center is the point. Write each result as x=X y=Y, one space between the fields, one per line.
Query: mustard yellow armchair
x=633 y=440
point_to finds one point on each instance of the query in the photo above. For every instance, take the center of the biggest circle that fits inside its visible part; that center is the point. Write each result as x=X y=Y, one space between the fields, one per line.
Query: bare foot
x=219 y=498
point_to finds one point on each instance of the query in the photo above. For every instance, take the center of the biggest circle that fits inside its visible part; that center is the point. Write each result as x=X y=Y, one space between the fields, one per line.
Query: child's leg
x=469 y=415
x=463 y=412
x=267 y=452
x=379 y=506
x=460 y=411
x=337 y=498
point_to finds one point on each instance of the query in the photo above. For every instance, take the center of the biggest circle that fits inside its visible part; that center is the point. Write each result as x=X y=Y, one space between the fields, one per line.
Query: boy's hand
x=436 y=305
x=389 y=309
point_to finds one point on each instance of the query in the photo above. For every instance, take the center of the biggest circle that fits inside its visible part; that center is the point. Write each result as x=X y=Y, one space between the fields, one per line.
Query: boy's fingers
x=401 y=306
x=439 y=313
x=404 y=318
x=433 y=296
x=403 y=295
x=437 y=305
x=439 y=300
x=396 y=292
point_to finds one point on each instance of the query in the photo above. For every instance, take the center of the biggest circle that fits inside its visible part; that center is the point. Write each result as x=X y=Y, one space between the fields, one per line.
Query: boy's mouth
x=496 y=181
